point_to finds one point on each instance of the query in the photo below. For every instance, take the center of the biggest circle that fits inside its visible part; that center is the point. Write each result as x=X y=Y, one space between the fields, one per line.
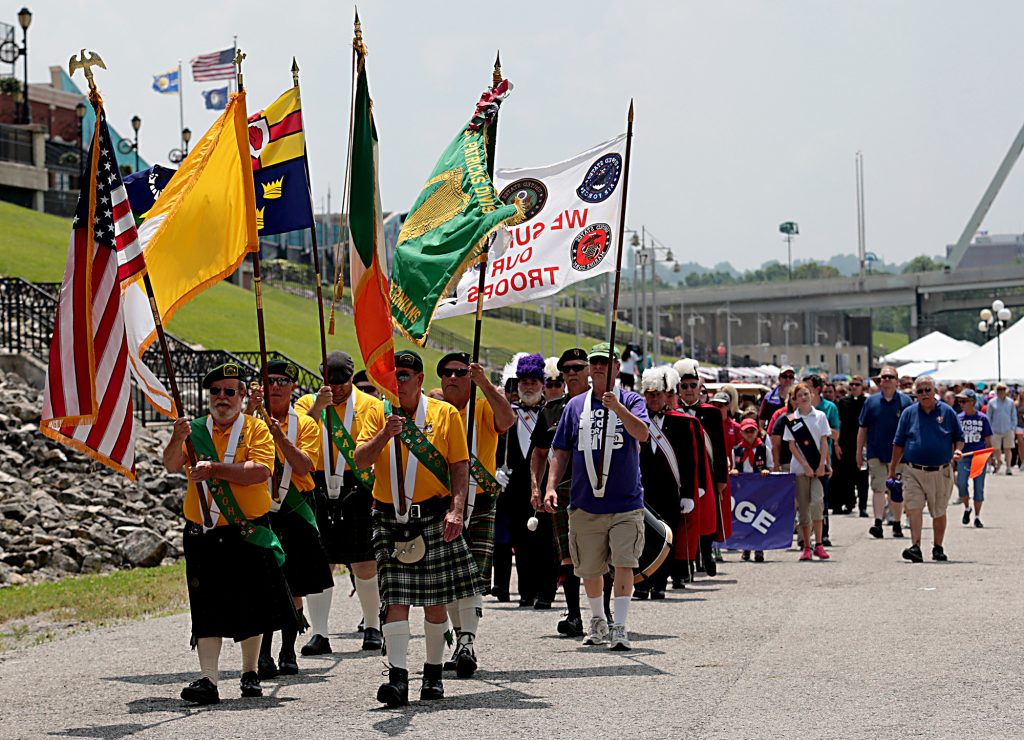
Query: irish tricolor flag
x=370 y=291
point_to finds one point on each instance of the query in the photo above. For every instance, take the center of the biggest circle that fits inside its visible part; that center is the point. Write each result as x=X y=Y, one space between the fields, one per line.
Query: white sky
x=747 y=113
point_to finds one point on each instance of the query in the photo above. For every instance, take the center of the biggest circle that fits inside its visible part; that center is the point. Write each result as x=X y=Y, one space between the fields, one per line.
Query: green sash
x=254 y=534
x=344 y=442
x=484 y=480
x=295 y=501
x=418 y=444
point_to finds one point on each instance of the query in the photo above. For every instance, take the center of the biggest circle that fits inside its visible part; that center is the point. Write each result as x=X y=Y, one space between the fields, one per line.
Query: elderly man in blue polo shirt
x=928 y=438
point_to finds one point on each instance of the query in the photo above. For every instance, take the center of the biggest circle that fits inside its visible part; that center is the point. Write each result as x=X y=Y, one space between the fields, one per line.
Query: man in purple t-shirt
x=606 y=514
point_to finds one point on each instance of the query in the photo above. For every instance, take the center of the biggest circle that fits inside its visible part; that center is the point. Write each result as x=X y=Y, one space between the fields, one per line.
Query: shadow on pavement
x=402 y=718
x=104 y=731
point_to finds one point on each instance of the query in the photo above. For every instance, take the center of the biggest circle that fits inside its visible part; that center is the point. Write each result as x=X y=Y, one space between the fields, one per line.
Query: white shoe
x=598 y=632
x=620 y=638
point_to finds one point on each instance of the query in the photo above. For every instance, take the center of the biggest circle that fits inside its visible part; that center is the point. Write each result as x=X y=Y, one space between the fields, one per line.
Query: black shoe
x=745 y=556
x=541 y=604
x=266 y=668
x=678 y=584
x=449 y=665
x=759 y=556
x=361 y=626
x=203 y=691
x=913 y=554
x=966 y=519
x=526 y=603
x=800 y=543
x=287 y=665
x=395 y=693
x=250 y=684
x=571 y=627
x=863 y=513
x=711 y=568
x=641 y=594
x=317 y=645
x=657 y=594
x=876 y=531
x=977 y=523
x=939 y=554
x=501 y=595
x=372 y=639
x=433 y=686
x=897 y=530
x=465 y=661
x=826 y=542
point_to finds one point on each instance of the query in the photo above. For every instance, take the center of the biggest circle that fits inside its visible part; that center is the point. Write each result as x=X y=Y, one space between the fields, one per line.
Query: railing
x=60 y=202
x=16 y=145
x=27 y=312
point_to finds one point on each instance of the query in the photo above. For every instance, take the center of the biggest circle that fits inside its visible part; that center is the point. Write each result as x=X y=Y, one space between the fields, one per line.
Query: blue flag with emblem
x=216 y=99
x=168 y=82
x=762 y=511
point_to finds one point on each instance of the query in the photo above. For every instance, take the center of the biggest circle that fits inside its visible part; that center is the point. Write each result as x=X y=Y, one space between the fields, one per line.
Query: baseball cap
x=967 y=393
x=748 y=424
x=787 y=369
x=721 y=397
x=603 y=349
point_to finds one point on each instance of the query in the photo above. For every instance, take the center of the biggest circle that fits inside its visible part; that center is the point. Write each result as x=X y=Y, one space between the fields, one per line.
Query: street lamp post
x=790 y=229
x=25 y=20
x=995 y=321
x=692 y=323
x=136 y=125
x=787 y=324
x=80 y=113
x=176 y=156
x=729 y=319
x=186 y=136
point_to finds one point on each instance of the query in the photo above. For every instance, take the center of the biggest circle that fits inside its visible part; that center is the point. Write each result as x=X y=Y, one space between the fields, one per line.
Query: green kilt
x=481 y=537
x=446 y=573
x=560 y=525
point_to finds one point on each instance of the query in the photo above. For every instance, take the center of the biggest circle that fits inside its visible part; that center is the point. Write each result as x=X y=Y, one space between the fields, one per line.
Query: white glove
x=502 y=477
x=686 y=505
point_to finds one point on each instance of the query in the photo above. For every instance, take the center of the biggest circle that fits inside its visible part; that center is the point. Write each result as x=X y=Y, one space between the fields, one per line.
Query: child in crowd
x=807 y=432
x=750 y=456
x=977 y=436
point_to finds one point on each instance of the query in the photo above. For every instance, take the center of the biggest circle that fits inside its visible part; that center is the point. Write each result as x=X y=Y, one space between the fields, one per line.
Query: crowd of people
x=564 y=473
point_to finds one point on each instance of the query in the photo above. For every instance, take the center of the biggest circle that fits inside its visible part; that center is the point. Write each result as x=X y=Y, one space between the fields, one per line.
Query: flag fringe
x=74 y=444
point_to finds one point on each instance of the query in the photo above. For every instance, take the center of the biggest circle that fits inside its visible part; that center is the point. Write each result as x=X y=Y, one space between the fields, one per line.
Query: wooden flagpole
x=492 y=141
x=610 y=381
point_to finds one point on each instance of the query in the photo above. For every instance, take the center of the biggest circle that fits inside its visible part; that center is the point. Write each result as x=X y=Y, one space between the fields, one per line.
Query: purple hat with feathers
x=531 y=366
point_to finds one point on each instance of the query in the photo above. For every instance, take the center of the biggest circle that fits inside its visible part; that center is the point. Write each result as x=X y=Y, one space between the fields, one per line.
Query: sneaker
x=250 y=684
x=203 y=691
x=1009 y=470
x=372 y=639
x=598 y=632
x=806 y=554
x=571 y=627
x=967 y=517
x=897 y=530
x=995 y=467
x=913 y=554
x=465 y=661
x=939 y=554
x=977 y=523
x=759 y=556
x=745 y=556
x=876 y=531
x=819 y=552
x=620 y=638
x=317 y=645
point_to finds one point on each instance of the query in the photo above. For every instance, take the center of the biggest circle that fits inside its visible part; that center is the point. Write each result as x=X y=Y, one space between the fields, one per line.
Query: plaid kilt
x=560 y=525
x=446 y=573
x=481 y=537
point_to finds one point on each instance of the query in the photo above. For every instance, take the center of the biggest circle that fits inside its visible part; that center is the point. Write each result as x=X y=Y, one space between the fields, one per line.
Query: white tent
x=983 y=363
x=917 y=369
x=935 y=347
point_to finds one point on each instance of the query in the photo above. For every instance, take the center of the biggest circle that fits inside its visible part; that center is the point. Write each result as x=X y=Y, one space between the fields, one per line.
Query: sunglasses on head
x=278 y=381
x=573 y=368
x=454 y=372
x=229 y=392
x=403 y=377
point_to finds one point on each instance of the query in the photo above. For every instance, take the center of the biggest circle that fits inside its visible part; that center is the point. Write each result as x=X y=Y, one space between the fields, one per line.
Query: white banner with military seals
x=569 y=235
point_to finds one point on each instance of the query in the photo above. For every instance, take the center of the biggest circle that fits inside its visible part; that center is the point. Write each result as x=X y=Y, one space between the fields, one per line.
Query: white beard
x=530 y=399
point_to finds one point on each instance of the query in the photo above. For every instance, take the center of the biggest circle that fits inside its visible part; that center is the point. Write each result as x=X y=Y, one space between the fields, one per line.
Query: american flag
x=217 y=65
x=87 y=403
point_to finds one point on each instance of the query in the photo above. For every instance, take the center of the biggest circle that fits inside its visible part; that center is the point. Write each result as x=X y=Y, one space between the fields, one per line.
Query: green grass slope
x=32 y=245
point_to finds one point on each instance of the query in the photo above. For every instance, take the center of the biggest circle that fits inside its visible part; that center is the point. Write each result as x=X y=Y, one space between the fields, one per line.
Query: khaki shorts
x=879 y=472
x=810 y=500
x=599 y=540
x=1003 y=441
x=927 y=486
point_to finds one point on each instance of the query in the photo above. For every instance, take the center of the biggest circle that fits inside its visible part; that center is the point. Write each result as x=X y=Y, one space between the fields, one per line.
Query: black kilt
x=446 y=573
x=305 y=565
x=235 y=589
x=349 y=538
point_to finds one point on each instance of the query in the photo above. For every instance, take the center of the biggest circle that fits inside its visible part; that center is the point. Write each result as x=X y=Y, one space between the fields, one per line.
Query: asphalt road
x=865 y=645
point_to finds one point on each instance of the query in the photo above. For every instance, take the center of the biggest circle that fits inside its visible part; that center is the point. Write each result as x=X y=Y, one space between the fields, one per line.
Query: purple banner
x=762 y=511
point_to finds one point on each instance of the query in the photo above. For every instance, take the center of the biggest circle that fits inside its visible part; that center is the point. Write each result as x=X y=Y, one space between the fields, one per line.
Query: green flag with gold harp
x=446 y=229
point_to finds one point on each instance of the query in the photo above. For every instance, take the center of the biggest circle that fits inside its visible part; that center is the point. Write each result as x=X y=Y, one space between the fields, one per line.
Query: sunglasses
x=403 y=377
x=573 y=368
x=552 y=383
x=887 y=377
x=855 y=385
x=924 y=391
x=787 y=376
x=599 y=361
x=278 y=381
x=689 y=385
x=454 y=372
x=366 y=387
x=229 y=392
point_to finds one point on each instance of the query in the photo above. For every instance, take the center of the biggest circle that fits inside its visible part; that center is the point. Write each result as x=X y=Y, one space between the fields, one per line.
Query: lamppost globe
x=1004 y=314
x=186 y=135
x=997 y=306
x=983 y=326
x=24 y=18
x=136 y=123
x=985 y=315
x=80 y=111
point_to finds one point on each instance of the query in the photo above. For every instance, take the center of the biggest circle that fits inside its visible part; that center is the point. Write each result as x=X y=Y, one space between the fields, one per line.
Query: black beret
x=409 y=360
x=576 y=353
x=283 y=367
x=229 y=370
x=462 y=357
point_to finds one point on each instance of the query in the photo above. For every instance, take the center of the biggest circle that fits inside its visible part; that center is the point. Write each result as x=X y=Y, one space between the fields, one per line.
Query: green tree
x=922 y=263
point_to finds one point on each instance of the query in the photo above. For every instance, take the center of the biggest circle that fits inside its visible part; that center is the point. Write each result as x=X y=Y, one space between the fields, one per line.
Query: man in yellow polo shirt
x=493 y=415
x=422 y=557
x=232 y=559
x=343 y=499
x=297 y=440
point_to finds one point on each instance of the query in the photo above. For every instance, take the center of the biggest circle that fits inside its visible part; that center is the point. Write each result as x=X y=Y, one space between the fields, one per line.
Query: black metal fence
x=27 y=312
